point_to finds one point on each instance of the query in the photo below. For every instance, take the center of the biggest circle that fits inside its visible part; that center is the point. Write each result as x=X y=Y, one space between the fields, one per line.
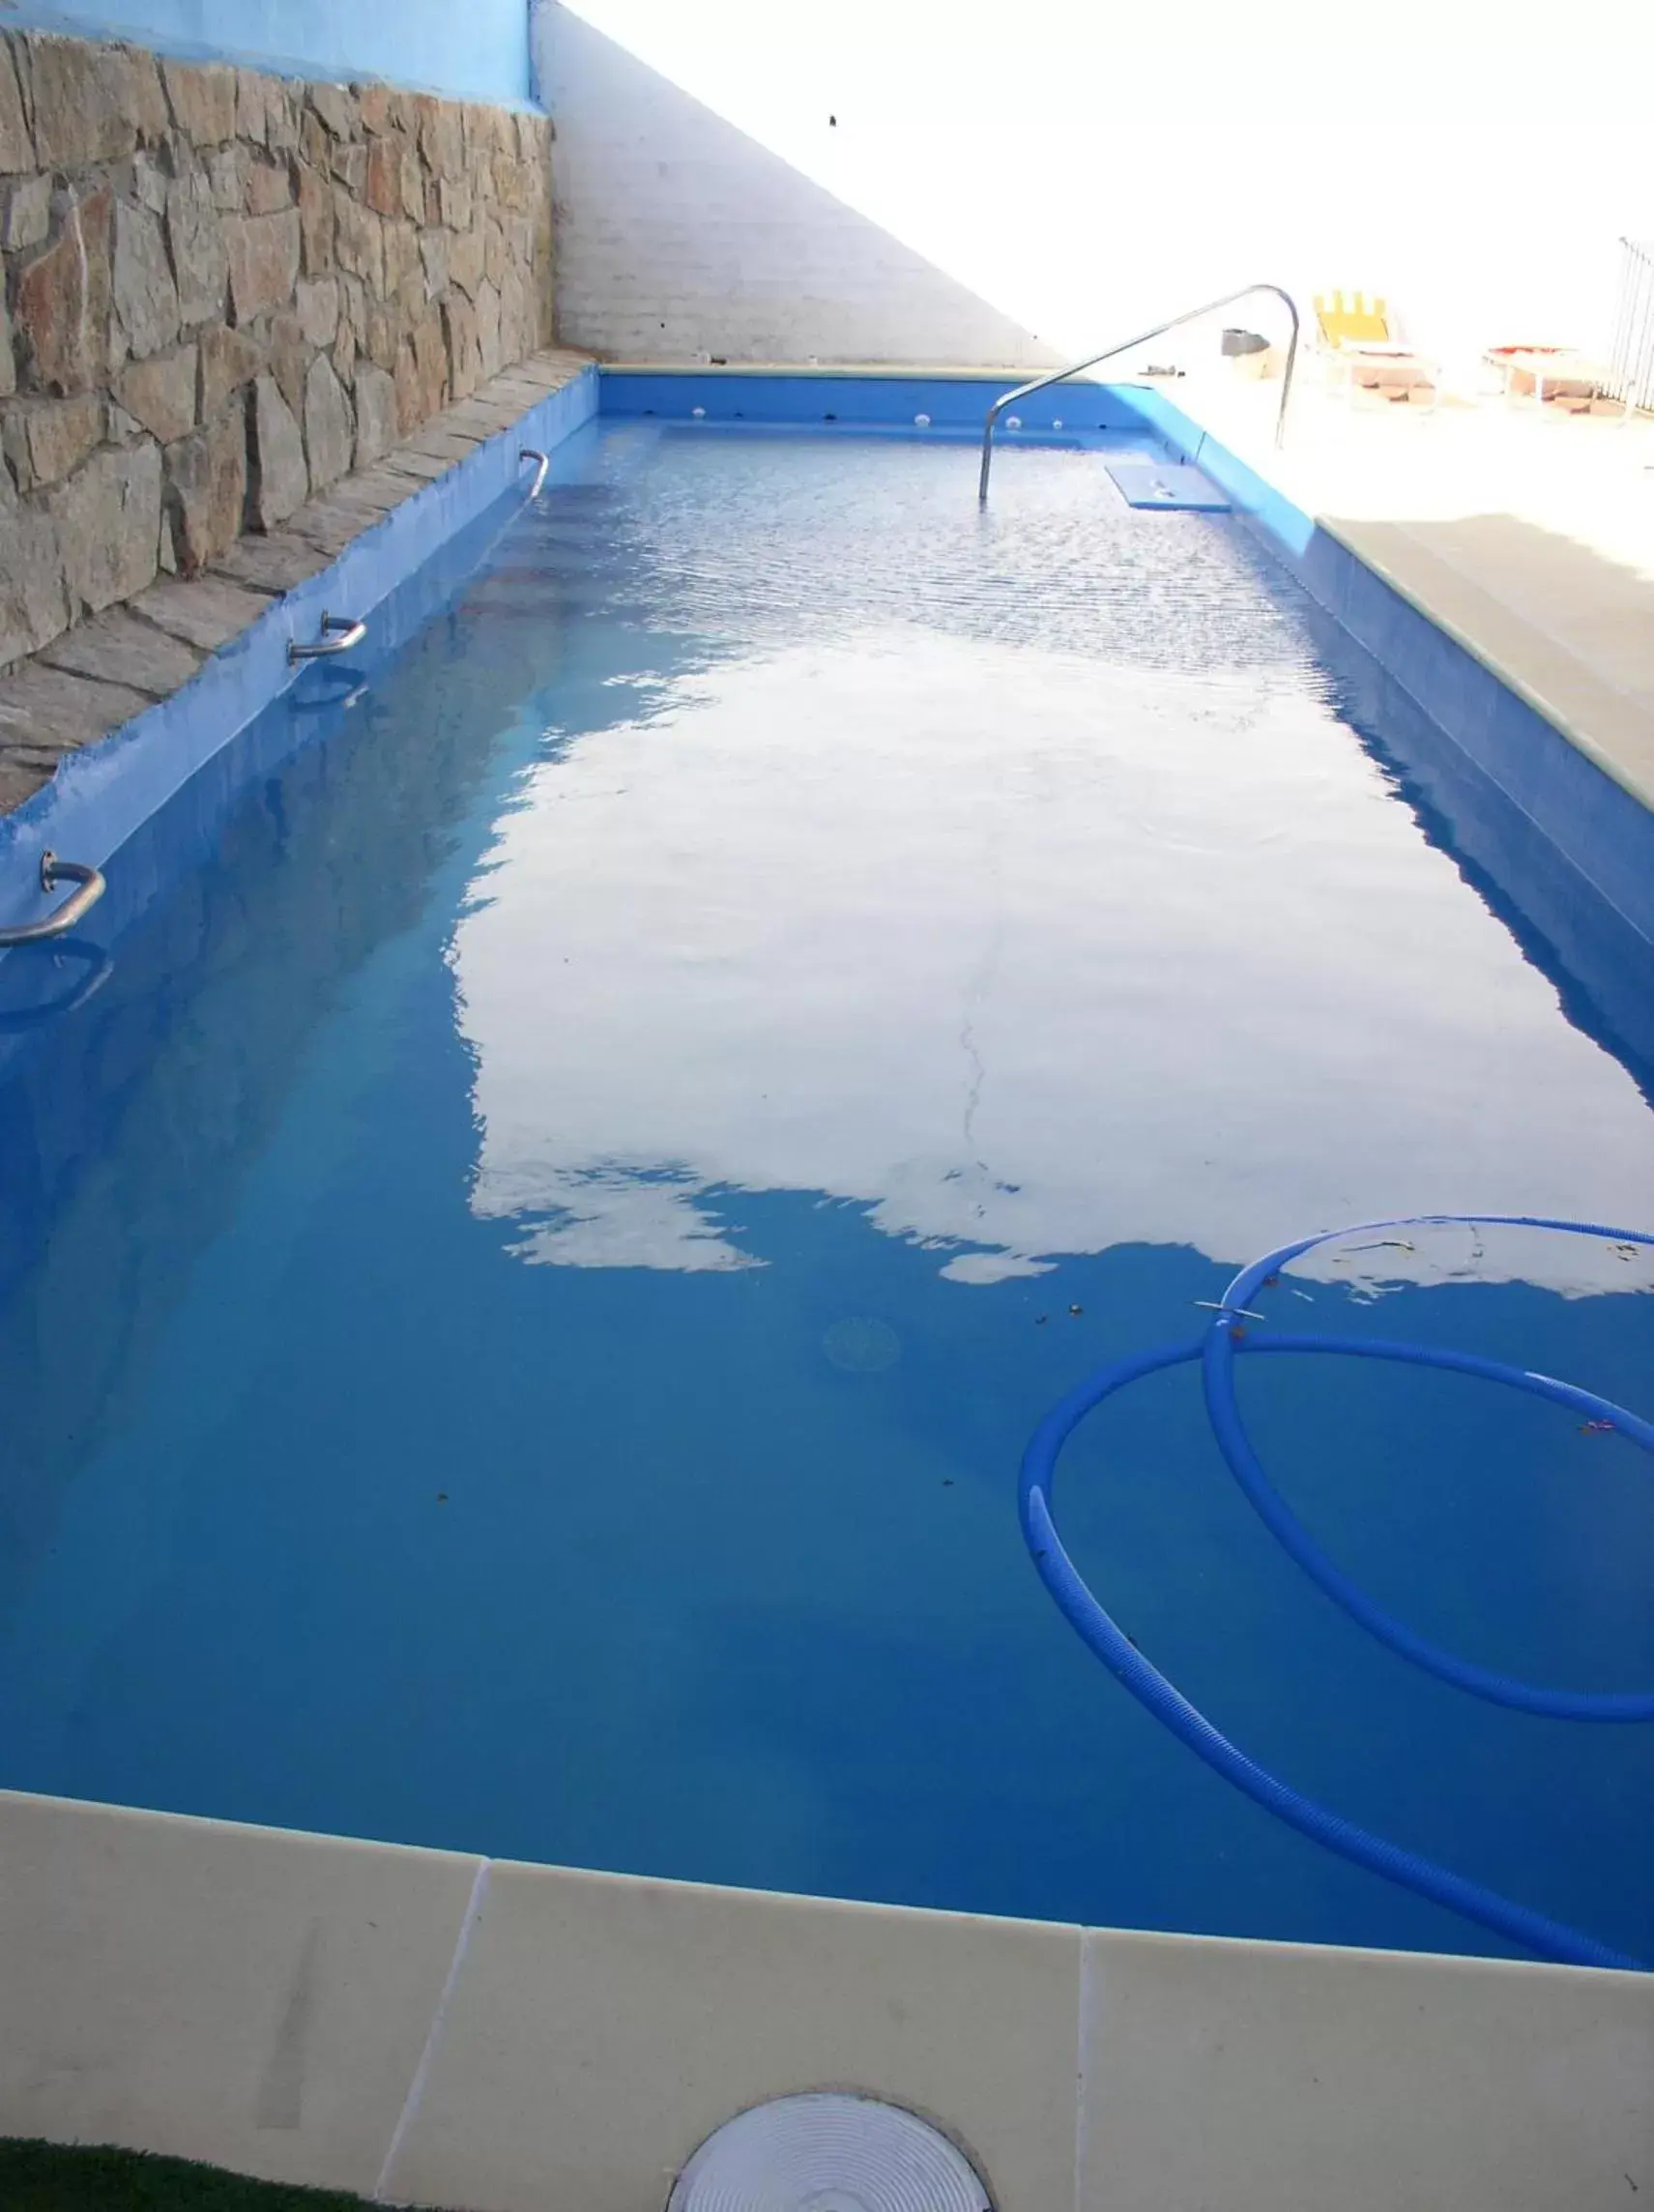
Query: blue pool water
x=528 y=1275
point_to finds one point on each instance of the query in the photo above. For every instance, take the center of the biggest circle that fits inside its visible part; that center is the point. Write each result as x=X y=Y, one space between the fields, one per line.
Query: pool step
x=1171 y=484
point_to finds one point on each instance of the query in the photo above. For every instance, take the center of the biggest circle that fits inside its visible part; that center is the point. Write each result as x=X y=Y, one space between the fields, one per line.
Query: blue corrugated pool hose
x=1216 y=1349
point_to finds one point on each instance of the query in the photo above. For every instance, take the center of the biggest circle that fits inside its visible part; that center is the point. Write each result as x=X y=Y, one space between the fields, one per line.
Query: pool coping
x=491 y=2036
x=1629 y=775
x=1583 y=789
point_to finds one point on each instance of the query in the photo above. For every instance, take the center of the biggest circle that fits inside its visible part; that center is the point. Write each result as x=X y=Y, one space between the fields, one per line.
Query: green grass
x=48 y=2177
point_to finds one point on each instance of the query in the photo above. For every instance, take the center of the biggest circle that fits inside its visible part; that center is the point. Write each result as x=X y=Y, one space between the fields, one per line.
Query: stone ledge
x=97 y=676
x=274 y=564
x=46 y=713
x=122 y=648
x=207 y=612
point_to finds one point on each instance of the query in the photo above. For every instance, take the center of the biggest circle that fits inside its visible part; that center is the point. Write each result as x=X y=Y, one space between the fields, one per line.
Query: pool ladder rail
x=340 y=633
x=91 y=887
x=1129 y=345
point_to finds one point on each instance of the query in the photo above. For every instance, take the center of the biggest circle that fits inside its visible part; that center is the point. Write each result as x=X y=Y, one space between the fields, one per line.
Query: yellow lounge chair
x=1362 y=348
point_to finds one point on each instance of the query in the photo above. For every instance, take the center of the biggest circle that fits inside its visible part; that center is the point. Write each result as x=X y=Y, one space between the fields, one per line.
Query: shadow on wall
x=680 y=238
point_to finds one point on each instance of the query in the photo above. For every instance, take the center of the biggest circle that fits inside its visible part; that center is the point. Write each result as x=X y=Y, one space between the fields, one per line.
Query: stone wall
x=222 y=291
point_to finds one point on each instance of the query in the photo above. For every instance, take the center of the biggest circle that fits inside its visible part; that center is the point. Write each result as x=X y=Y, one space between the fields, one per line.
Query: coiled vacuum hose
x=1216 y=1348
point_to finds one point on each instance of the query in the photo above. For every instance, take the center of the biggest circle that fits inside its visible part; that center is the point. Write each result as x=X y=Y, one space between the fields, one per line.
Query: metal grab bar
x=1126 y=345
x=533 y=454
x=53 y=872
x=350 y=632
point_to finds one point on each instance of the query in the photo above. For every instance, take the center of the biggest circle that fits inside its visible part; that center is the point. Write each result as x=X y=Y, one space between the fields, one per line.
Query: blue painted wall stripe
x=478 y=50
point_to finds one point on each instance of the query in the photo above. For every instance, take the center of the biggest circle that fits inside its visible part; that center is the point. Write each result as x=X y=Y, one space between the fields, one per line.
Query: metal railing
x=1631 y=356
x=340 y=633
x=53 y=872
x=1128 y=345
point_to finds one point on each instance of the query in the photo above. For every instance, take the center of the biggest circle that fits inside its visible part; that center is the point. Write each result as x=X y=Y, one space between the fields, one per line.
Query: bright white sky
x=1477 y=161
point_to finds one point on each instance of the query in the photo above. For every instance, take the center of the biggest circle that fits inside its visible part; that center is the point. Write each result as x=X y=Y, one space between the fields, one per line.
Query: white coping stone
x=244 y=1996
x=603 y=2025
x=1288 y=2077
x=492 y=2037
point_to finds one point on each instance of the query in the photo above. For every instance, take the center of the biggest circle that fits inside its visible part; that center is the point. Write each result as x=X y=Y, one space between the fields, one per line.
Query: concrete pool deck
x=1527 y=535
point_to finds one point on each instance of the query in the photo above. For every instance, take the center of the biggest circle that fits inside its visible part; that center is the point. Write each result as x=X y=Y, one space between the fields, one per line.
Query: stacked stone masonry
x=223 y=291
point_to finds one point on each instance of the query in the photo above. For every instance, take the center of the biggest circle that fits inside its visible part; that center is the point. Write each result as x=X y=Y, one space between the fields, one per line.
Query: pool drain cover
x=827 y=2152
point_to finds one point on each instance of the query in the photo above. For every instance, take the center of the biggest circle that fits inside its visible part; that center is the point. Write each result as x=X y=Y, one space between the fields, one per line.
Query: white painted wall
x=1081 y=168
x=680 y=238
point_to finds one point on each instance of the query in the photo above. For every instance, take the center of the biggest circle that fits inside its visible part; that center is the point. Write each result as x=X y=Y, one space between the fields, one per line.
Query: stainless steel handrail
x=1126 y=345
x=350 y=632
x=533 y=454
x=53 y=872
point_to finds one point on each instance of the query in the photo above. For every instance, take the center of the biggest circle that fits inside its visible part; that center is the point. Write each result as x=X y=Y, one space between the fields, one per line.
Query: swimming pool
x=529 y=1275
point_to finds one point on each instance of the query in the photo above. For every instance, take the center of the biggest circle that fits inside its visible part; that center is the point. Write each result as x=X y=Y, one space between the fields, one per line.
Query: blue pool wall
x=101 y=797
x=1605 y=830
x=475 y=52
x=1601 y=829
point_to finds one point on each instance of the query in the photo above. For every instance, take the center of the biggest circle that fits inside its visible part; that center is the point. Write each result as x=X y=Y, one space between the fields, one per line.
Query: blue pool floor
x=527 y=1282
